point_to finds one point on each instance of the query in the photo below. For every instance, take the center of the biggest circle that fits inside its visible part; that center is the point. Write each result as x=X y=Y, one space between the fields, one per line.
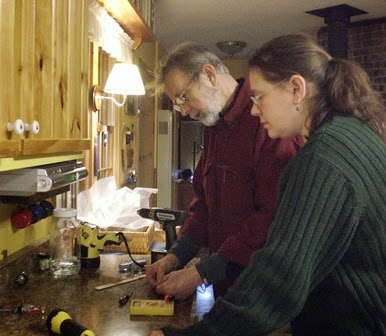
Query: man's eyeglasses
x=257 y=99
x=181 y=99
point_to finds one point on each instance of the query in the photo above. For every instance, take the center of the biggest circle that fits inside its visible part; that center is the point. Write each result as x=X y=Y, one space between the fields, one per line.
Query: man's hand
x=157 y=271
x=180 y=284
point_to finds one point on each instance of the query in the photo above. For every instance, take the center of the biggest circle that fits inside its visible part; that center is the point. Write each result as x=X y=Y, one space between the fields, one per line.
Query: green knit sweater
x=323 y=265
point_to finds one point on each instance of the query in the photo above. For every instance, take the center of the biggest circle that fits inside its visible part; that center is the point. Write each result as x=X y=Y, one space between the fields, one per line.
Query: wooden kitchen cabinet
x=129 y=18
x=44 y=76
x=139 y=115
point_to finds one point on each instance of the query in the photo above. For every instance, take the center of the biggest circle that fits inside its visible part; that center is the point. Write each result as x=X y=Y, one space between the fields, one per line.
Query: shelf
x=53 y=146
x=23 y=147
x=37 y=160
x=127 y=16
x=35 y=198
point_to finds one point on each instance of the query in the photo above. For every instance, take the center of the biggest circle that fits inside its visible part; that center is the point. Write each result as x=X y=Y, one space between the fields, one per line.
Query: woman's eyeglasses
x=257 y=99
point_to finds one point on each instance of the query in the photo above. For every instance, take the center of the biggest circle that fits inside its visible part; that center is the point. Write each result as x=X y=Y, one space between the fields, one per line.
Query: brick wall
x=367 y=46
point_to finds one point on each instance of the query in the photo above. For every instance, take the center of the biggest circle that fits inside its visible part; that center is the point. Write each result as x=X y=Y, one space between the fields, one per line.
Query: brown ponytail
x=338 y=84
x=348 y=90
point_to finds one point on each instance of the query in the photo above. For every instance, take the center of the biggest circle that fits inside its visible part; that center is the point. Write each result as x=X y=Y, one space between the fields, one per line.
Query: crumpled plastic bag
x=105 y=206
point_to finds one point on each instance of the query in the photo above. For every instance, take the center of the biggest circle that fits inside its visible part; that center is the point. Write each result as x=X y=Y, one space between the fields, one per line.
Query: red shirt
x=235 y=183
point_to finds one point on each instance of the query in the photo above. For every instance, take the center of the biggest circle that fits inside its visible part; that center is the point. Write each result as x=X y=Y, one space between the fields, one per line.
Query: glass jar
x=64 y=240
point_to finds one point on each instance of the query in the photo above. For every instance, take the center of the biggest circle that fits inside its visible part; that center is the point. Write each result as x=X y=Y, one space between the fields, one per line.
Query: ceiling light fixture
x=124 y=79
x=231 y=47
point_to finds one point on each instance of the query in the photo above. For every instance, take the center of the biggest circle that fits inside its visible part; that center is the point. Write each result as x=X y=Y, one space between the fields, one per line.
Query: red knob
x=22 y=218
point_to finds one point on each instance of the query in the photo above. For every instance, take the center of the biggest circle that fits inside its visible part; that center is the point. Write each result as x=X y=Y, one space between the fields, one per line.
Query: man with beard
x=235 y=182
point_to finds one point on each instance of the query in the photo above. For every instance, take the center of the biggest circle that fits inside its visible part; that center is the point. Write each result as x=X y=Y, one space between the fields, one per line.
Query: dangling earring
x=297 y=105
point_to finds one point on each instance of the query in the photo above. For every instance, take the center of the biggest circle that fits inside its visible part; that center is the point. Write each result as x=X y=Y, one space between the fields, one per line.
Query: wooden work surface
x=99 y=311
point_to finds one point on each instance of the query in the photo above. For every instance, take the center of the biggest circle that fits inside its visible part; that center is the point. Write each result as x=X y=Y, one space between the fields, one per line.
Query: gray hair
x=188 y=57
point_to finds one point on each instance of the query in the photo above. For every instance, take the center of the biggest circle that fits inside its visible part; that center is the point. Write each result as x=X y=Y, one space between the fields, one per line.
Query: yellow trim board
x=11 y=163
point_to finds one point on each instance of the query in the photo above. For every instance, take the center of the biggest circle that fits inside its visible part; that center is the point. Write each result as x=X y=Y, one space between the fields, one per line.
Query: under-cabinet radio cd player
x=28 y=181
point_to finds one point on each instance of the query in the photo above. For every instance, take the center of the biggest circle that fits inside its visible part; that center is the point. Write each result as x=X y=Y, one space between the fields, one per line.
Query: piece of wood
x=121 y=282
x=9 y=148
x=51 y=146
x=8 y=67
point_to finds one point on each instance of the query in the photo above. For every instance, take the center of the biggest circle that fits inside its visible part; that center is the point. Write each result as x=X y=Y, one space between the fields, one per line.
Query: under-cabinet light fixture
x=124 y=79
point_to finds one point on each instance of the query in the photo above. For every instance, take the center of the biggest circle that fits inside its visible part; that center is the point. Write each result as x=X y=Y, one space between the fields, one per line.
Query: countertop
x=98 y=311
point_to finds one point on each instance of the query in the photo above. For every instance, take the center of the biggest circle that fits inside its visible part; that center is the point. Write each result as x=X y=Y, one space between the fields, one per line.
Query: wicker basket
x=139 y=241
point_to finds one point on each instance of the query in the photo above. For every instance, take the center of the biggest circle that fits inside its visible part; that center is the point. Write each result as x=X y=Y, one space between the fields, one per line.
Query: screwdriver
x=26 y=309
x=168 y=298
x=124 y=299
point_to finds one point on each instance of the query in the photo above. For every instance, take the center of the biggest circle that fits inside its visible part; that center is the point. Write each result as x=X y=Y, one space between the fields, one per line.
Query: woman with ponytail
x=322 y=267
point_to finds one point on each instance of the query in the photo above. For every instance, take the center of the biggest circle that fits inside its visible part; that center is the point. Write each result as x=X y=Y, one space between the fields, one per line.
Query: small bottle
x=64 y=240
x=44 y=261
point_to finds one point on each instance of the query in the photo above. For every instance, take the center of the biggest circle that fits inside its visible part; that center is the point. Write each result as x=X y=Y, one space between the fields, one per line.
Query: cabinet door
x=48 y=51
x=146 y=117
x=8 y=72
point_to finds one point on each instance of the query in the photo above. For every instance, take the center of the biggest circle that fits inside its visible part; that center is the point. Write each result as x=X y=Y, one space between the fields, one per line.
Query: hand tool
x=61 y=323
x=124 y=299
x=25 y=309
x=92 y=241
x=168 y=298
x=169 y=220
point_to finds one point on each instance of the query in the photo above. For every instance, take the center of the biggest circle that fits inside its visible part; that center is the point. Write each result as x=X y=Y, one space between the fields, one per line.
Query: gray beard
x=211 y=115
x=207 y=118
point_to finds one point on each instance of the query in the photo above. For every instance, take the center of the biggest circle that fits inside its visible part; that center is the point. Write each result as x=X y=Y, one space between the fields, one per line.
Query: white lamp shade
x=125 y=79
